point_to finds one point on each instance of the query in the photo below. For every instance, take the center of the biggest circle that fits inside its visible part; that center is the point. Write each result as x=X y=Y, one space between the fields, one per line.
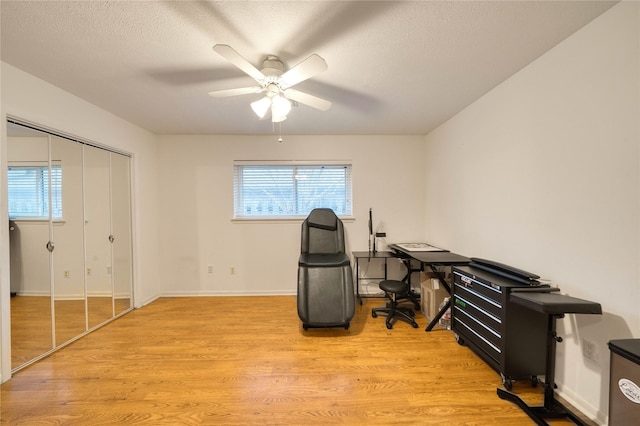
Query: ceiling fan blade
x=307 y=99
x=234 y=57
x=311 y=66
x=235 y=92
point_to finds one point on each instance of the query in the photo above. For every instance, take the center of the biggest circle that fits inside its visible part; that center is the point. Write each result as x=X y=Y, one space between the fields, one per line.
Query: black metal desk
x=555 y=306
x=358 y=255
x=433 y=259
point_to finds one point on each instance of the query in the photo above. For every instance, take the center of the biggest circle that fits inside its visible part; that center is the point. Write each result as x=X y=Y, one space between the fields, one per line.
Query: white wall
x=31 y=99
x=197 y=207
x=543 y=173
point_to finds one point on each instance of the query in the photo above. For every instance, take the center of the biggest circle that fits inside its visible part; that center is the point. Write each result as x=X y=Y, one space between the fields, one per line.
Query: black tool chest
x=507 y=336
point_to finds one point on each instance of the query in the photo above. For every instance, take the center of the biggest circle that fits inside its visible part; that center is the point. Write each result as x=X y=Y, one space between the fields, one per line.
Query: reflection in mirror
x=121 y=231
x=29 y=232
x=97 y=225
x=68 y=256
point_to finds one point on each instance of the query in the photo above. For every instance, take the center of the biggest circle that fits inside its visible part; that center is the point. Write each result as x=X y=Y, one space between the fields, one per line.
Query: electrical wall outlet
x=67 y=273
x=590 y=350
x=232 y=270
x=210 y=269
x=89 y=271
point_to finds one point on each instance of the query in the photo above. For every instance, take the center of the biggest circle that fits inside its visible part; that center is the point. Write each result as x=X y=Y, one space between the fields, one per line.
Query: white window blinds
x=291 y=190
x=28 y=192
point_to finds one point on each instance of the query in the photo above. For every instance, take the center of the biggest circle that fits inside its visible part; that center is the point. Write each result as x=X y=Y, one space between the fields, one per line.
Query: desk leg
x=442 y=310
x=407 y=264
x=358 y=280
x=441 y=278
x=407 y=278
x=385 y=268
x=439 y=315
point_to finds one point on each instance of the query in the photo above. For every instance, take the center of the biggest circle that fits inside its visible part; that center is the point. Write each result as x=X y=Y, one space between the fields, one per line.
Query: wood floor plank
x=246 y=360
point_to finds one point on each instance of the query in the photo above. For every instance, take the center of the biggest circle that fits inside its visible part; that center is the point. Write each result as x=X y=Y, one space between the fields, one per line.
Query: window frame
x=237 y=188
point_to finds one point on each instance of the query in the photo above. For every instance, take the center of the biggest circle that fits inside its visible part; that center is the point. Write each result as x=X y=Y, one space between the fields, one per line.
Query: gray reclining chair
x=325 y=282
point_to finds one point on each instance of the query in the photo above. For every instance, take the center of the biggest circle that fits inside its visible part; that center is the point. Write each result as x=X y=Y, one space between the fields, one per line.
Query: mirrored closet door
x=70 y=239
x=97 y=223
x=67 y=237
x=121 y=233
x=29 y=234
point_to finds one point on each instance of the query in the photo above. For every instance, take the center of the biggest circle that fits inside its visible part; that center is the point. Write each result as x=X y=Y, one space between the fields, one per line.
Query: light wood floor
x=246 y=361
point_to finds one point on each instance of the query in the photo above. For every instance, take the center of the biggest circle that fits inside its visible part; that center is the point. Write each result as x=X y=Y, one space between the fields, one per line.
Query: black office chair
x=396 y=290
x=325 y=282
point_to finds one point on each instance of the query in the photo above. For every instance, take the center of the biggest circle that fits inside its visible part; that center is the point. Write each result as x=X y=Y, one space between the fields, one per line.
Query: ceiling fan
x=274 y=83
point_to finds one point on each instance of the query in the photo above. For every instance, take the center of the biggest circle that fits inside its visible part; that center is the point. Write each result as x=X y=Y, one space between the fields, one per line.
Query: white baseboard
x=225 y=293
x=583 y=406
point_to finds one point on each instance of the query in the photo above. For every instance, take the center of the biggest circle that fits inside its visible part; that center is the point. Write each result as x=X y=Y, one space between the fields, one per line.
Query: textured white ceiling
x=395 y=67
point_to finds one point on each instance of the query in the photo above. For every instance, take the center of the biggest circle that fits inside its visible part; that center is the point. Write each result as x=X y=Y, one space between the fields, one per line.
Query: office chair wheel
x=373 y=314
x=389 y=325
x=415 y=324
x=346 y=327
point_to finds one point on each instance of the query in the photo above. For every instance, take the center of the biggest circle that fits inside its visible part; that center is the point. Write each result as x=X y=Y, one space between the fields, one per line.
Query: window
x=28 y=192
x=290 y=190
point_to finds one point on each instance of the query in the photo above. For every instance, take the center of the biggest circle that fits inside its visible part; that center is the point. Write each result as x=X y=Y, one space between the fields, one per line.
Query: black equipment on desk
x=508 y=337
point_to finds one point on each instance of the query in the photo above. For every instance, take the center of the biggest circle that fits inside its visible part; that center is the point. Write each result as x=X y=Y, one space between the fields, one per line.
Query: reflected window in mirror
x=28 y=191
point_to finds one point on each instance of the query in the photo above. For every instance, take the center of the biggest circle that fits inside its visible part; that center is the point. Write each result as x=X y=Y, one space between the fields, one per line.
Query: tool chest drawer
x=473 y=295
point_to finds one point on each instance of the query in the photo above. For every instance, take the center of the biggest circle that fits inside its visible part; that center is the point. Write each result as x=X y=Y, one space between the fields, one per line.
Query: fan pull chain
x=273 y=129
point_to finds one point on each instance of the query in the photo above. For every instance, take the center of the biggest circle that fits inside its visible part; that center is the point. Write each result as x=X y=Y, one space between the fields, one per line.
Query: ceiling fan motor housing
x=272 y=66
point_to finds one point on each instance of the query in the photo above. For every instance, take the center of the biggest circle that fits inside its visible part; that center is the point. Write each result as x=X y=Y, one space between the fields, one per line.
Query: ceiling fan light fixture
x=274 y=83
x=261 y=107
x=280 y=106
x=277 y=118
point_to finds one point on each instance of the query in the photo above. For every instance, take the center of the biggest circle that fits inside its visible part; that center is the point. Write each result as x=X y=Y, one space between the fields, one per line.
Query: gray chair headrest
x=323 y=218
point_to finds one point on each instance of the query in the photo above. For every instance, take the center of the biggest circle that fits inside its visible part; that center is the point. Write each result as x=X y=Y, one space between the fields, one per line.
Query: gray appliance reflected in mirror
x=70 y=239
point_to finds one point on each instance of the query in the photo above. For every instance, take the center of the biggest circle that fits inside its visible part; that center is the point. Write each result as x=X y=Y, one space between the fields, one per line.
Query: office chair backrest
x=322 y=232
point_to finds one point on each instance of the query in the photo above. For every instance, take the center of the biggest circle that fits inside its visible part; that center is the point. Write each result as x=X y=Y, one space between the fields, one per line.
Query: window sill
x=291 y=219
x=23 y=221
